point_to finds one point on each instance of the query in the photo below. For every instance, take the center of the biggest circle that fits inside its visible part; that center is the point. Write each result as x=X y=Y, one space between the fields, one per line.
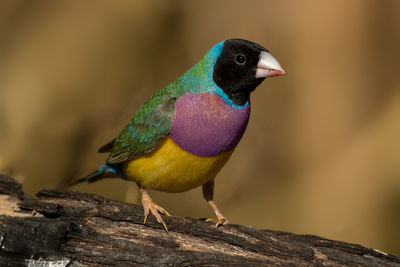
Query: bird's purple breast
x=205 y=125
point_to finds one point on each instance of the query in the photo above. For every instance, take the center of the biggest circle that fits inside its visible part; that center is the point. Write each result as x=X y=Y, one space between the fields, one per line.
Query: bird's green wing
x=146 y=130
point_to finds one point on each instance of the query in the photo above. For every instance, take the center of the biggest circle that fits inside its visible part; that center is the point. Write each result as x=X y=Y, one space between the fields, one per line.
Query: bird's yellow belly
x=171 y=169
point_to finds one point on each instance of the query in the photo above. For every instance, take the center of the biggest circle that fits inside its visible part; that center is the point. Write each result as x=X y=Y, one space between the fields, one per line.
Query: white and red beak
x=268 y=66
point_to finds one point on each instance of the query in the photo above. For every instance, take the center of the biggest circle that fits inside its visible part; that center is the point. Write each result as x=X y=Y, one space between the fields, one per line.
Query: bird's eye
x=240 y=59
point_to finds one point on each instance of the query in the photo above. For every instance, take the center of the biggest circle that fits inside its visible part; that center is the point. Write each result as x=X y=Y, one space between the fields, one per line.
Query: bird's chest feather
x=205 y=125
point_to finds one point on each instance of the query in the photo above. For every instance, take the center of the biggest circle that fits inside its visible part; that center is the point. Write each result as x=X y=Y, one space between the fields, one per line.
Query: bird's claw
x=156 y=211
x=221 y=221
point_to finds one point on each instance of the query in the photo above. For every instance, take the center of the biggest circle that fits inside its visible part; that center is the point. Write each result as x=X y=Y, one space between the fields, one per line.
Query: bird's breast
x=205 y=125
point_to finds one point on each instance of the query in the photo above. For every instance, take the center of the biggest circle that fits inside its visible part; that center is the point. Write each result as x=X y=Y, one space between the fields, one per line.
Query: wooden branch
x=79 y=229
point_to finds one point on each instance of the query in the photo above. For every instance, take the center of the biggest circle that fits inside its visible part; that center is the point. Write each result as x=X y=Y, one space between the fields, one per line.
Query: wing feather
x=145 y=131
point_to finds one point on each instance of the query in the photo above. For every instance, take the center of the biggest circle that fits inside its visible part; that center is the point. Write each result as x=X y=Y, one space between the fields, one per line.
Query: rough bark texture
x=78 y=229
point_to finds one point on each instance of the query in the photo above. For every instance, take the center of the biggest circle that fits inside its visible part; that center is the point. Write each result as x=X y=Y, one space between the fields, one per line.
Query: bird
x=185 y=133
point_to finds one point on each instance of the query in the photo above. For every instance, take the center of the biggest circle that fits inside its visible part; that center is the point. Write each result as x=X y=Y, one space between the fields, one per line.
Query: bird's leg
x=150 y=206
x=208 y=193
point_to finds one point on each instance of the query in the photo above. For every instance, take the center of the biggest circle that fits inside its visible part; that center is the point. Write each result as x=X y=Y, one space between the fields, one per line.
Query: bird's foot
x=221 y=221
x=156 y=211
x=208 y=192
x=150 y=207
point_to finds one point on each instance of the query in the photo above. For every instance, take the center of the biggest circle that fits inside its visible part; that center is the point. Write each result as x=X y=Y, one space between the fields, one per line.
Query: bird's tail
x=104 y=171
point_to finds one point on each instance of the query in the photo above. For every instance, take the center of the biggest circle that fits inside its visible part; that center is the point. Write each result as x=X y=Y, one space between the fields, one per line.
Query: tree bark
x=69 y=228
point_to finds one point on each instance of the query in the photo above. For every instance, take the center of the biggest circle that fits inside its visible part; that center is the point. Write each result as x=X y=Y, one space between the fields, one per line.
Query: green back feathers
x=146 y=130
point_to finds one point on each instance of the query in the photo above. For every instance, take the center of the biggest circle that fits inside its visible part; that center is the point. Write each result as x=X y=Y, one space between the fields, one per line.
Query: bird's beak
x=268 y=66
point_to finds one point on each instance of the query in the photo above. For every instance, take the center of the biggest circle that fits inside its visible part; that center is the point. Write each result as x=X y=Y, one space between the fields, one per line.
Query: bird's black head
x=241 y=67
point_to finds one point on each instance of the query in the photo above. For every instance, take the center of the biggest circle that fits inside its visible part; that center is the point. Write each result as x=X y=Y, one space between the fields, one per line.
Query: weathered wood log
x=79 y=229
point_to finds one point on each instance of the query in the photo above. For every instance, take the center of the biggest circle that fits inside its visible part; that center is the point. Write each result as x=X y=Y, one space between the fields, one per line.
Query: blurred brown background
x=321 y=154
